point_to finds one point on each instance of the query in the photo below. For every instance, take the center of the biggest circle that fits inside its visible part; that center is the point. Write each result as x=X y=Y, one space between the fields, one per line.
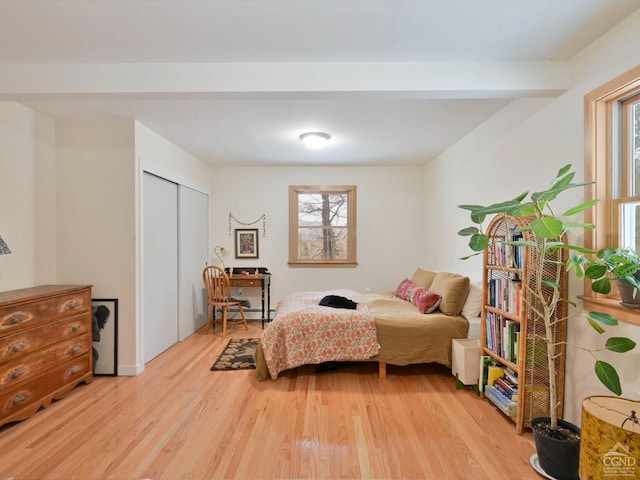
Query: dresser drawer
x=19 y=317
x=21 y=343
x=246 y=282
x=27 y=367
x=20 y=402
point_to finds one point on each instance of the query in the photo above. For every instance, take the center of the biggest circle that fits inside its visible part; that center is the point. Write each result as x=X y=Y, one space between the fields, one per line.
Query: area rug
x=237 y=355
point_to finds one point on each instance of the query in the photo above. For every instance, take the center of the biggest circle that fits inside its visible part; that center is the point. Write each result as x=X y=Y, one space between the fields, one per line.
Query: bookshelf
x=511 y=335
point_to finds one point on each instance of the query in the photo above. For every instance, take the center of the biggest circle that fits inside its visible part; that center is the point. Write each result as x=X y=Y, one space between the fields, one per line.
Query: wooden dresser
x=45 y=346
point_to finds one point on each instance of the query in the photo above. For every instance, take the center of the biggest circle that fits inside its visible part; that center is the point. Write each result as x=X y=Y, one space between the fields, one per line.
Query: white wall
x=27 y=197
x=521 y=148
x=96 y=217
x=389 y=245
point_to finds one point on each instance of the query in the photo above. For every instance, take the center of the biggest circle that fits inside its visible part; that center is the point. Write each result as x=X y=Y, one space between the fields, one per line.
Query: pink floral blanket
x=303 y=332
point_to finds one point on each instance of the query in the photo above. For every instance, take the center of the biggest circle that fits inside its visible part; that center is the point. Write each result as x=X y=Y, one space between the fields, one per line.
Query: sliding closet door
x=194 y=256
x=160 y=257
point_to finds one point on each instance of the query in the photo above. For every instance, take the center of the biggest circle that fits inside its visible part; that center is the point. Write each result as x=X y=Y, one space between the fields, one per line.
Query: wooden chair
x=219 y=291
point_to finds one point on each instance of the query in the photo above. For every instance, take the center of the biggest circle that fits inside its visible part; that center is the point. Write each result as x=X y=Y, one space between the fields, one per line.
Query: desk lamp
x=220 y=252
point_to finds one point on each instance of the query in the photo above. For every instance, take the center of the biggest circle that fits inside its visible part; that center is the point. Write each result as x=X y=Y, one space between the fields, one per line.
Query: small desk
x=262 y=280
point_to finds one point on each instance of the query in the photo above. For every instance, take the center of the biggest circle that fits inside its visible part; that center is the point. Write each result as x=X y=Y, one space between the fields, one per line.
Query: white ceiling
x=235 y=82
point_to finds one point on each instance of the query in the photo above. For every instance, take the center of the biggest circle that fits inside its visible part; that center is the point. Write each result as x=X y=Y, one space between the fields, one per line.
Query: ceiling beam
x=447 y=80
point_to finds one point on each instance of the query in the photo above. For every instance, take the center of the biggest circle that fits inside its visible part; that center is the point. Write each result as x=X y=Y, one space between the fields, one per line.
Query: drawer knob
x=19 y=398
x=74 y=349
x=75 y=369
x=70 y=305
x=16 y=347
x=15 y=319
x=16 y=372
x=74 y=328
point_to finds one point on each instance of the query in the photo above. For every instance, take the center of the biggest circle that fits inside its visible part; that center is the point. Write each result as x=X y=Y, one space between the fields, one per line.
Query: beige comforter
x=404 y=335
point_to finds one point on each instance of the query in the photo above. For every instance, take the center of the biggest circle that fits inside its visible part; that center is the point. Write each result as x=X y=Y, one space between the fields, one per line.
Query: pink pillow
x=425 y=300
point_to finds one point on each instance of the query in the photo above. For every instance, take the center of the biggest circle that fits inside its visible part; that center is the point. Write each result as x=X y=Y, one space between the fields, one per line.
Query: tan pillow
x=453 y=288
x=423 y=278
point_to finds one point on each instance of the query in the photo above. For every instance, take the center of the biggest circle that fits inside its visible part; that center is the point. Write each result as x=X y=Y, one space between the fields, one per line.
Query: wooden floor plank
x=179 y=420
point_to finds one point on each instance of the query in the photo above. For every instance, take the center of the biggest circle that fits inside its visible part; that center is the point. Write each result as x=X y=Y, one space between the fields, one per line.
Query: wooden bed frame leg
x=382 y=370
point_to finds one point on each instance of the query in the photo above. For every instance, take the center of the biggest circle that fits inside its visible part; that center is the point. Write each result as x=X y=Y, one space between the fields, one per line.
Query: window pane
x=322 y=243
x=322 y=209
x=635 y=146
x=629 y=221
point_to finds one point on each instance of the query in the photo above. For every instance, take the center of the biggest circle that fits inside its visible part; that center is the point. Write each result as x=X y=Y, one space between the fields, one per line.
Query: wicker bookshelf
x=511 y=333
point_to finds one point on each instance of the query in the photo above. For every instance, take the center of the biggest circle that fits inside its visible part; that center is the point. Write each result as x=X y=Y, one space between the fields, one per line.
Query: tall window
x=627 y=190
x=612 y=160
x=322 y=225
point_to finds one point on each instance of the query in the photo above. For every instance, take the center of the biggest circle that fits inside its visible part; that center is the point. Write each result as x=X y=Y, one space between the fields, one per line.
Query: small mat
x=237 y=355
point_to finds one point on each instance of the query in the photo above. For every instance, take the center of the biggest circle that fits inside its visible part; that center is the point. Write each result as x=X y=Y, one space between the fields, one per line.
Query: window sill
x=613 y=308
x=336 y=264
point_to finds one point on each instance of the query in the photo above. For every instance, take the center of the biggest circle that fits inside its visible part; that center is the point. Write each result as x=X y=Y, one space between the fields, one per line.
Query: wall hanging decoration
x=246 y=243
x=105 y=336
x=262 y=217
x=4 y=249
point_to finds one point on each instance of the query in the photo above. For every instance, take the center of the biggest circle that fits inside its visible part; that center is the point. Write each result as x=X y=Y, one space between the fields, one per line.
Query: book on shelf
x=495 y=371
x=505 y=404
x=511 y=375
x=505 y=294
x=485 y=360
x=509 y=391
x=504 y=253
x=502 y=336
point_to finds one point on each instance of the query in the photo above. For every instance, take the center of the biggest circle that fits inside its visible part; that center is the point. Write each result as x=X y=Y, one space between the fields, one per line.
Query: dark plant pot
x=558 y=458
x=630 y=296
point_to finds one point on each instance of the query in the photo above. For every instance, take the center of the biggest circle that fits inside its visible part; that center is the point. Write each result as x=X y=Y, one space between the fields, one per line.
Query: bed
x=385 y=327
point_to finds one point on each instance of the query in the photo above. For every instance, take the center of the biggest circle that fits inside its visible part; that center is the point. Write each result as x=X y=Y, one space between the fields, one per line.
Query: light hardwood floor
x=179 y=420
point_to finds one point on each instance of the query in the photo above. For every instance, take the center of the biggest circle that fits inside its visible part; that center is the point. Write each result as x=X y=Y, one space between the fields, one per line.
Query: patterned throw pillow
x=425 y=300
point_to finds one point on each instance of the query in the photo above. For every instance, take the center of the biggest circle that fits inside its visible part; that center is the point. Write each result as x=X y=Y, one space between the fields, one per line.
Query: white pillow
x=473 y=303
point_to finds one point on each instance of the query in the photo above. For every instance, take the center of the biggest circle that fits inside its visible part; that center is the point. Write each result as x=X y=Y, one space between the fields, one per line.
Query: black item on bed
x=336 y=301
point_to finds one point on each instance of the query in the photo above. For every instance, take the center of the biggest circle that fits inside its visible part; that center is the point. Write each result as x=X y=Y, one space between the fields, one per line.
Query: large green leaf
x=603 y=318
x=521 y=197
x=465 y=232
x=620 y=344
x=602 y=285
x=564 y=170
x=595 y=325
x=576 y=248
x=572 y=225
x=478 y=242
x=547 y=227
x=625 y=270
x=562 y=180
x=608 y=376
x=478 y=217
x=472 y=208
x=595 y=271
x=530 y=209
x=580 y=208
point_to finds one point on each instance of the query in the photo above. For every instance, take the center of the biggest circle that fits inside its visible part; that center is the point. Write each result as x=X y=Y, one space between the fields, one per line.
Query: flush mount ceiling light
x=315 y=140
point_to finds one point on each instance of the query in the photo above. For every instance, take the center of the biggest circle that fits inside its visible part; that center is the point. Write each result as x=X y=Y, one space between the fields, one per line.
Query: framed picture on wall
x=246 y=242
x=105 y=336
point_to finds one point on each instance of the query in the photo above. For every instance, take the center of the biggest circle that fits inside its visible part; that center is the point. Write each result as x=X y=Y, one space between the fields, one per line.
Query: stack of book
x=500 y=385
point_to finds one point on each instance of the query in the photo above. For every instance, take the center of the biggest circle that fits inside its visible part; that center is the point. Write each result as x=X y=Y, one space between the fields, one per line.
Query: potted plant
x=548 y=231
x=619 y=264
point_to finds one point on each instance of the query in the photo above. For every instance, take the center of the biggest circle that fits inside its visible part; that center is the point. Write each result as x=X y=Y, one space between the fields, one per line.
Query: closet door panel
x=160 y=270
x=194 y=256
